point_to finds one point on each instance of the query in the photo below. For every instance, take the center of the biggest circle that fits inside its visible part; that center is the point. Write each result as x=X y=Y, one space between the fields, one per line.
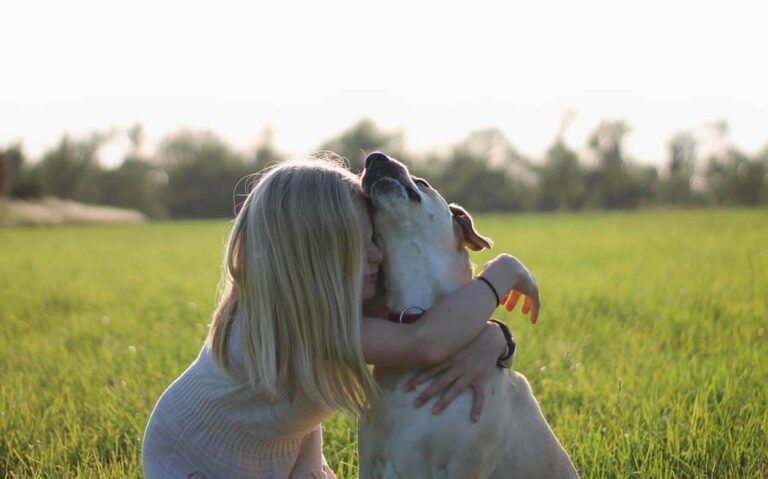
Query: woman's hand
x=470 y=366
x=513 y=281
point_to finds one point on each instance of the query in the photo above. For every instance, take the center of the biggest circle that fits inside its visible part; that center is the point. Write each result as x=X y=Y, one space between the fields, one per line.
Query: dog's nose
x=375 y=157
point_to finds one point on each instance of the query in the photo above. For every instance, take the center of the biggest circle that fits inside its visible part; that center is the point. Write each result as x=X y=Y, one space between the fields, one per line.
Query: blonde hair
x=292 y=277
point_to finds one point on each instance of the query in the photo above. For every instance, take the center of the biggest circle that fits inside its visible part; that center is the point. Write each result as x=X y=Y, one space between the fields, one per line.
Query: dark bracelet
x=510 y=343
x=495 y=293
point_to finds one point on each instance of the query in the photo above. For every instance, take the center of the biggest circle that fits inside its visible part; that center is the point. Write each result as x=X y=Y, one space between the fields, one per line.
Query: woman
x=288 y=345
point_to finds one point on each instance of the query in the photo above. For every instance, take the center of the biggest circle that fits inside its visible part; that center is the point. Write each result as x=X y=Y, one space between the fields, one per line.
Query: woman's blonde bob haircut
x=292 y=281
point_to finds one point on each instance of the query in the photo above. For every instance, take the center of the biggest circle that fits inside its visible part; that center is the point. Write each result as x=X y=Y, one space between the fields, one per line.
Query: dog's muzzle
x=386 y=176
x=388 y=188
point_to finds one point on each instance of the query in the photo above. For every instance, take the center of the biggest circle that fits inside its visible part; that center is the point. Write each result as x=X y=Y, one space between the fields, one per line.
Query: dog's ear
x=470 y=237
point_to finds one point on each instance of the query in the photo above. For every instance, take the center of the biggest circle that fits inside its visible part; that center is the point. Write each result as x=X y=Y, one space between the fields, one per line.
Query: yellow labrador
x=424 y=241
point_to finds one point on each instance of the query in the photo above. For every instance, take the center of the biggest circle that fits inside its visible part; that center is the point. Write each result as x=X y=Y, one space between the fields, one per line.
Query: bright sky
x=437 y=70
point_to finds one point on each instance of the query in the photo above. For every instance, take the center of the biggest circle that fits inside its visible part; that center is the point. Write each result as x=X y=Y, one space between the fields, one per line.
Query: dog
x=425 y=241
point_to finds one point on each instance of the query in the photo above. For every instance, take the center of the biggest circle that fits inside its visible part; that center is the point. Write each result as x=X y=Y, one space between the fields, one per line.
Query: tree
x=202 y=175
x=71 y=169
x=485 y=173
x=762 y=159
x=562 y=181
x=736 y=179
x=138 y=182
x=266 y=153
x=11 y=162
x=731 y=176
x=675 y=187
x=616 y=182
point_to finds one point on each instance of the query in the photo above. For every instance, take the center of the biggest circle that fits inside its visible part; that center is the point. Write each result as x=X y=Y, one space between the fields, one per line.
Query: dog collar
x=405 y=317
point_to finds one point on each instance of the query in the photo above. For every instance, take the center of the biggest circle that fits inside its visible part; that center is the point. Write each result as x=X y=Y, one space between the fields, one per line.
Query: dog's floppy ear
x=471 y=238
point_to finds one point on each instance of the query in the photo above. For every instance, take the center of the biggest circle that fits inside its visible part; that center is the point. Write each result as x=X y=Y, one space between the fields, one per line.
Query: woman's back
x=216 y=425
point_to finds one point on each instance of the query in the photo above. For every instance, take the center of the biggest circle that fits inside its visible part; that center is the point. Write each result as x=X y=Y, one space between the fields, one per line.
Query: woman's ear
x=470 y=237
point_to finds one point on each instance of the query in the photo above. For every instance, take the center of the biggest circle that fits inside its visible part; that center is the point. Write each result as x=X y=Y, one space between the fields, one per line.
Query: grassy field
x=649 y=359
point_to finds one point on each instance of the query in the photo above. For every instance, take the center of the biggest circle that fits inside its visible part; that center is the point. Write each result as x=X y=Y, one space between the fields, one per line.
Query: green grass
x=649 y=359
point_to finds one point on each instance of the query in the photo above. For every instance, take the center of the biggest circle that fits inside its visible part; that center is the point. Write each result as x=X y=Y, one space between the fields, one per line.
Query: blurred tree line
x=194 y=174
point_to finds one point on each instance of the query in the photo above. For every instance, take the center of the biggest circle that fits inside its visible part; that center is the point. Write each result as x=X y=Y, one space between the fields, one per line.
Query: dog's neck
x=417 y=275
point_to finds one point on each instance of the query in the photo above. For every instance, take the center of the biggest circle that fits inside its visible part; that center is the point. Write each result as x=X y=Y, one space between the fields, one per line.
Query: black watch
x=502 y=361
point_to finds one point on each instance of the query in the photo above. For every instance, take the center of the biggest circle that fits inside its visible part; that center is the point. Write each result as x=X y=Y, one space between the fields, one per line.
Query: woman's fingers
x=437 y=385
x=452 y=393
x=531 y=304
x=527 y=304
x=425 y=375
x=512 y=298
x=477 y=402
x=535 y=309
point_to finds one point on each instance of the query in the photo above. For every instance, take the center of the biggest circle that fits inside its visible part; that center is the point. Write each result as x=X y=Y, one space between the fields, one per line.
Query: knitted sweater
x=211 y=425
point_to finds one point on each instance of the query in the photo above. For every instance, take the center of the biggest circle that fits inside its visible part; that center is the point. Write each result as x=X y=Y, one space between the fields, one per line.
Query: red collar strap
x=405 y=317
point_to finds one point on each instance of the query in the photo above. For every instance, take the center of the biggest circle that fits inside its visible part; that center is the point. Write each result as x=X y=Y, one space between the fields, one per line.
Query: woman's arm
x=395 y=345
x=451 y=323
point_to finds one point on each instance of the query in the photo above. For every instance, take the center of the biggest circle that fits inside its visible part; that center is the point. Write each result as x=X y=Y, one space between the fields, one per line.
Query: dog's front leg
x=532 y=450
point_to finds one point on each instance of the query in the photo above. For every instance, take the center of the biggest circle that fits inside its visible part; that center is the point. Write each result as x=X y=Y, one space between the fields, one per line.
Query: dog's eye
x=421 y=182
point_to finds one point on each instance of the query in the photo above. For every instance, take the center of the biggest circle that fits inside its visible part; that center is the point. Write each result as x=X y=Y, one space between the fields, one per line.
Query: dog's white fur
x=511 y=439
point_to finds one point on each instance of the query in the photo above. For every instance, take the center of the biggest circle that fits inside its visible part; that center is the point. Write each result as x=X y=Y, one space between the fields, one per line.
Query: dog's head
x=413 y=223
x=409 y=204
